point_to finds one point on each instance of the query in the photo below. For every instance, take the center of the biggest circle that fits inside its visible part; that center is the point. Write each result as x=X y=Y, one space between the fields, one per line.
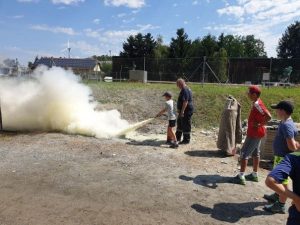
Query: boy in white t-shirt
x=170 y=110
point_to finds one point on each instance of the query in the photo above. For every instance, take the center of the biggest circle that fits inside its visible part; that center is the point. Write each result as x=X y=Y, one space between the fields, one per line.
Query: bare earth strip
x=50 y=178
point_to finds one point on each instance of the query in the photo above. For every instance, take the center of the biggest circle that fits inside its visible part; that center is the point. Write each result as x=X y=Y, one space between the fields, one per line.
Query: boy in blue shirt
x=289 y=167
x=283 y=144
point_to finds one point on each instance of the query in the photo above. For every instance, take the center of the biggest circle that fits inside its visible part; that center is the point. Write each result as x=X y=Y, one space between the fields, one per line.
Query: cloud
x=17 y=17
x=96 y=21
x=67 y=2
x=265 y=19
x=28 y=1
x=92 y=33
x=113 y=39
x=195 y=2
x=63 y=30
x=127 y=3
x=236 y=11
x=130 y=20
x=121 y=15
x=85 y=48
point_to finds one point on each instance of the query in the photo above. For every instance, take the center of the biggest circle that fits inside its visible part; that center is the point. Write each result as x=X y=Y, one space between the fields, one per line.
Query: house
x=85 y=67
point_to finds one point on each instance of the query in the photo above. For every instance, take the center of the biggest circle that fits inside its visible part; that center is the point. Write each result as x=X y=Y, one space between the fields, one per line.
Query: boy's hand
x=297 y=145
x=181 y=114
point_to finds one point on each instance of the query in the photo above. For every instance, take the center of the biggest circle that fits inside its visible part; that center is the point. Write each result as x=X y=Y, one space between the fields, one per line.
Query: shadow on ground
x=206 y=153
x=148 y=142
x=231 y=212
x=210 y=181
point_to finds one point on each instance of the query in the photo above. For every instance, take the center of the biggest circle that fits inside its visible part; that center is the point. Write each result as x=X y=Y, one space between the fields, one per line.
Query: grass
x=209 y=99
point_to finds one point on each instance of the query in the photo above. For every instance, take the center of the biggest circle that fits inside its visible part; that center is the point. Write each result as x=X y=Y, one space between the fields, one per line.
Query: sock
x=255 y=174
x=242 y=174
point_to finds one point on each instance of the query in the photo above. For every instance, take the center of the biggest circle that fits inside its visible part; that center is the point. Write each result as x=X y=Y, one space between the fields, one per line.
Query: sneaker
x=251 y=177
x=168 y=142
x=276 y=207
x=184 y=142
x=238 y=180
x=272 y=198
x=174 y=145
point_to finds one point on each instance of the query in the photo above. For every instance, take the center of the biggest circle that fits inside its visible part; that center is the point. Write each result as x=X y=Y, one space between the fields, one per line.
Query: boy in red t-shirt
x=257 y=120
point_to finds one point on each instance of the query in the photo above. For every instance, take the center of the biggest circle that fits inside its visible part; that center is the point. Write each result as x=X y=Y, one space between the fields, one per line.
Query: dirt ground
x=53 y=178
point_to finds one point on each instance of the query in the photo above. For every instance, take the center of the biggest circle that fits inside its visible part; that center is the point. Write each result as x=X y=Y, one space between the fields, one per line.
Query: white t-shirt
x=170 y=110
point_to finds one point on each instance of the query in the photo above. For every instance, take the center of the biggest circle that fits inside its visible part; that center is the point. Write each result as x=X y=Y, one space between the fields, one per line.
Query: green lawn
x=209 y=99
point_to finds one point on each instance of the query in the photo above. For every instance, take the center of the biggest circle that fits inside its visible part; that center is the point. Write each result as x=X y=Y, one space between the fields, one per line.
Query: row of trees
x=182 y=46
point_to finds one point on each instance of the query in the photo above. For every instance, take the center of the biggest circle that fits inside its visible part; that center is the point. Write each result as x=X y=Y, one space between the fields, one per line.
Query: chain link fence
x=210 y=70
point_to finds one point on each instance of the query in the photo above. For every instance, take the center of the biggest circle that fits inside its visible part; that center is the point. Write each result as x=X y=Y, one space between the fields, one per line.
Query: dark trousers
x=184 y=127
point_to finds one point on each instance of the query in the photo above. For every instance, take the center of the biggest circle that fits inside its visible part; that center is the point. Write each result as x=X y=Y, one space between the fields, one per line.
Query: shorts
x=277 y=160
x=251 y=147
x=172 y=123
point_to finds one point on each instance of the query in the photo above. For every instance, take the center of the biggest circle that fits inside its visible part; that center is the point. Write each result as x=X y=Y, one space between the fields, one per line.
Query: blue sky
x=43 y=27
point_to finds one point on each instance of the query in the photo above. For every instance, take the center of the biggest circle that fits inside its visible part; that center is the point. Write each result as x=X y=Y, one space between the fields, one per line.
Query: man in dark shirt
x=289 y=167
x=185 y=111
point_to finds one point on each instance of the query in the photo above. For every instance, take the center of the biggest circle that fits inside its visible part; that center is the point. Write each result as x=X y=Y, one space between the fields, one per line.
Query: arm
x=281 y=190
x=268 y=117
x=292 y=144
x=184 y=105
x=161 y=112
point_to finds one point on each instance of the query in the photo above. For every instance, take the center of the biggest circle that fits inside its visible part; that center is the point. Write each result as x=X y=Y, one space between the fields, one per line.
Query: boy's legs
x=250 y=147
x=172 y=124
x=278 y=201
x=172 y=134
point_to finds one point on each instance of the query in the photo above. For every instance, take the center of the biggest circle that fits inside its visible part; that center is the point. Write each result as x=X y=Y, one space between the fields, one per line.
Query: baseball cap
x=167 y=94
x=253 y=89
x=284 y=105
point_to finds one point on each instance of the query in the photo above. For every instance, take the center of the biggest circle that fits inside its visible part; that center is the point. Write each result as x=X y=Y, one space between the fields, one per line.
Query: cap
x=253 y=89
x=284 y=105
x=167 y=94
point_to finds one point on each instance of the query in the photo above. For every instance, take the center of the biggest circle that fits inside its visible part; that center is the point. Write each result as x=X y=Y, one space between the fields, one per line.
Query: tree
x=220 y=61
x=196 y=49
x=161 y=50
x=253 y=47
x=180 y=45
x=139 y=46
x=233 y=45
x=210 y=45
x=289 y=43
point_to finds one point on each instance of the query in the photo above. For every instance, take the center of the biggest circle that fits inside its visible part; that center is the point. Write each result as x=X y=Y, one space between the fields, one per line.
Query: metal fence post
x=203 y=69
x=1 y=125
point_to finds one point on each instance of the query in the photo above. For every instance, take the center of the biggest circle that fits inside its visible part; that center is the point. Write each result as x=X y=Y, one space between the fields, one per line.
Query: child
x=284 y=143
x=170 y=110
x=289 y=167
x=257 y=120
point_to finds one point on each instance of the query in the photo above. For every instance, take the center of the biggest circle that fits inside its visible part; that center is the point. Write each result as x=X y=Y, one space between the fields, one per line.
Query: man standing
x=185 y=111
x=257 y=120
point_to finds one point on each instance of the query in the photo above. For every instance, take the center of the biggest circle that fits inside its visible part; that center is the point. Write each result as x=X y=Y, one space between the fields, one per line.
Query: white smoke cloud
x=55 y=100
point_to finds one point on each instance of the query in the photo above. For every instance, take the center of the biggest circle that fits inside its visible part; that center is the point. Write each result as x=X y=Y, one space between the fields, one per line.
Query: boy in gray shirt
x=171 y=113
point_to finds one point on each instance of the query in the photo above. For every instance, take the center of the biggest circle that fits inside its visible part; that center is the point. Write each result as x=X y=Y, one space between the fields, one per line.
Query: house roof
x=87 y=63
